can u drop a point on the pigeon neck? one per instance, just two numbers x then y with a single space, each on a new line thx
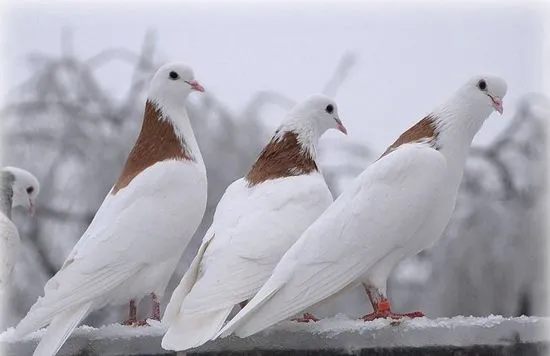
6 193
306 132
177 116
284 156
457 124
165 135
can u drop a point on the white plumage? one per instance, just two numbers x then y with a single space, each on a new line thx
9 247
395 208
258 218
140 231
18 187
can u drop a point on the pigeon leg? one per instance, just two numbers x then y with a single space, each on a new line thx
132 314
382 307
156 307
306 318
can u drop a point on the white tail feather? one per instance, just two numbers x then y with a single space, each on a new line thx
182 290
60 329
242 317
192 331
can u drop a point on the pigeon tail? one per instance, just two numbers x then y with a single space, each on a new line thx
242 324
60 329
192 331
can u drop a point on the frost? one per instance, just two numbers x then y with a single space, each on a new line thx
338 332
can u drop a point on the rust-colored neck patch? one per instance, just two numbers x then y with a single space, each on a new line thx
156 142
282 157
424 129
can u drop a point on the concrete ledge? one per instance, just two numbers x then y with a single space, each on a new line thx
494 335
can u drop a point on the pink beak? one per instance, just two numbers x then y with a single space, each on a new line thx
341 127
196 86
31 208
497 103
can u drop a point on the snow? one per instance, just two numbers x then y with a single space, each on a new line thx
339 332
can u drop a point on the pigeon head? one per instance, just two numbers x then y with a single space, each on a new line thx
465 112
485 92
318 111
25 188
172 83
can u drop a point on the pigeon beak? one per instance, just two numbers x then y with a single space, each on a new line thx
497 103
196 86
340 126
31 208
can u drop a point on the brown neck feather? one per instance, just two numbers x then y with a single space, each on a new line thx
282 157
425 129
157 142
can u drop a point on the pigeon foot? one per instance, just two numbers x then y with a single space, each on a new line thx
306 318
383 311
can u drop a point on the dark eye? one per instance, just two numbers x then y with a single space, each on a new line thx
174 75
30 190
482 84
329 108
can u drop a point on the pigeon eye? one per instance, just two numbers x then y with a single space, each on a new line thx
329 108
30 190
174 75
482 84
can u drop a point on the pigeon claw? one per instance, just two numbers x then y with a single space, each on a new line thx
383 311
391 315
129 322
306 318
134 322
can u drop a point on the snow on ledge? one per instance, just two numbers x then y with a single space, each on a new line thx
337 333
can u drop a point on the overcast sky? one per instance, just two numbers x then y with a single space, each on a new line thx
409 58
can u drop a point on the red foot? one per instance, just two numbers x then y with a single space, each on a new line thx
383 310
135 322
392 315
306 318
132 319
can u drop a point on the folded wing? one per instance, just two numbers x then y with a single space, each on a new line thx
373 217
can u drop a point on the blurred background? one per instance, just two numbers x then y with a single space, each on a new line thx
74 81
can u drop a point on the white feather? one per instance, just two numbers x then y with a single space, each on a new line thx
373 217
108 263
136 238
60 329
396 207
9 247
252 228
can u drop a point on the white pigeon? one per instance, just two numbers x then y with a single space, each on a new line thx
18 187
396 207
137 236
257 219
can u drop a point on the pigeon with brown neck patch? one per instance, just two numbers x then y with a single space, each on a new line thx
138 235
396 207
258 218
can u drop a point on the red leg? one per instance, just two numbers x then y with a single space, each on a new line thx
382 307
155 314
156 307
132 314
306 318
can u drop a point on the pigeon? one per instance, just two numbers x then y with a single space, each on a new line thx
396 207
257 219
138 235
18 187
